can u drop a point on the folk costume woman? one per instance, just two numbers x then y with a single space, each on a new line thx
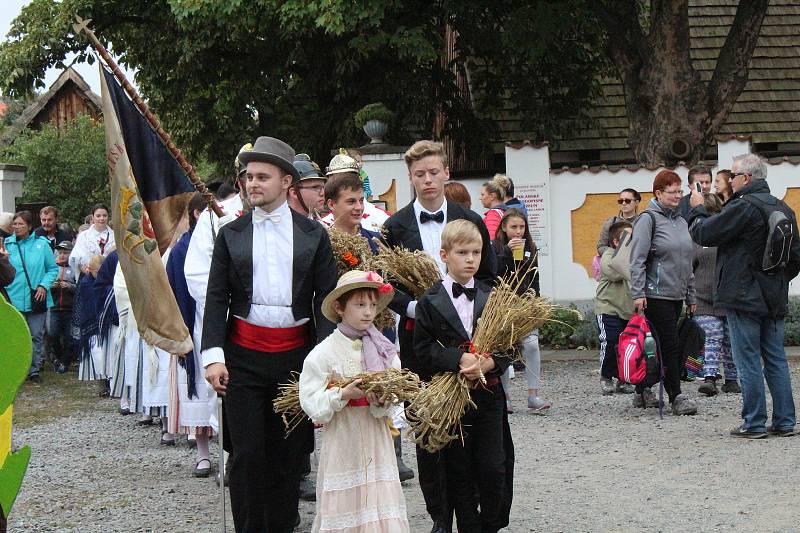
188 407
98 239
108 324
358 488
92 362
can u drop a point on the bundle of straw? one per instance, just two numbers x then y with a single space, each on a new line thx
435 414
392 385
507 319
384 320
509 316
351 252
416 271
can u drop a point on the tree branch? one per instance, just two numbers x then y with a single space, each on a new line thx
669 30
625 40
733 65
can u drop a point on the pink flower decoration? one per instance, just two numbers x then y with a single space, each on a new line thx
386 288
374 276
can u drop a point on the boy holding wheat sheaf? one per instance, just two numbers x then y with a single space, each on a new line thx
446 317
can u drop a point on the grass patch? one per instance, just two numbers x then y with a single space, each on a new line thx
57 396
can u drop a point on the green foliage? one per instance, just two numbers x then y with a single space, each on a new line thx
373 112
66 167
570 328
14 108
559 330
791 331
220 72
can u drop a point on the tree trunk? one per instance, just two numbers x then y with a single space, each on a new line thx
672 114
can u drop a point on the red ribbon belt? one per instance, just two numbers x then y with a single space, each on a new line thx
409 324
271 340
361 402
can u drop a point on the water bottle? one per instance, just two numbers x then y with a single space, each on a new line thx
650 354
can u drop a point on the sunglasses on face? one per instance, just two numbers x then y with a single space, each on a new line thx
625 201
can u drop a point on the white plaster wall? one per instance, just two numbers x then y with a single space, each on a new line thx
384 168
10 188
561 278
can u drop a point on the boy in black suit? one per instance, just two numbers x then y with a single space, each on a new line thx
419 226
446 317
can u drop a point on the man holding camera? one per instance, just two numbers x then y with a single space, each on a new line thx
758 255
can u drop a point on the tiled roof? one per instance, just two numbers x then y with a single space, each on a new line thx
768 108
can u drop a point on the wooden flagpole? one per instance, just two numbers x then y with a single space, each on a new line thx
83 26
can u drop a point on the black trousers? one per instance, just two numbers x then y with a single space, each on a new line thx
664 315
429 465
482 462
610 328
266 464
430 470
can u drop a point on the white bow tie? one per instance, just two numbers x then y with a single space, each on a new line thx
260 216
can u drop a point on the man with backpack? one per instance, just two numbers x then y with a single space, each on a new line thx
758 253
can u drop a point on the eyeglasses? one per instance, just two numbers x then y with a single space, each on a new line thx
625 201
673 193
316 188
739 174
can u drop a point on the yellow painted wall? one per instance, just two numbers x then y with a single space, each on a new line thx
792 198
589 217
587 221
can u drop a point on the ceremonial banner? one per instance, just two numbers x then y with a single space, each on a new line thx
149 194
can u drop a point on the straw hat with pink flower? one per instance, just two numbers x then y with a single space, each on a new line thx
357 279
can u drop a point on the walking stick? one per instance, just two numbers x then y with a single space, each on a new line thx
221 464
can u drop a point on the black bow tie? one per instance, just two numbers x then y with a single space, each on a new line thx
428 217
459 289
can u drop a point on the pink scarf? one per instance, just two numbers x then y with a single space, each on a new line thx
378 351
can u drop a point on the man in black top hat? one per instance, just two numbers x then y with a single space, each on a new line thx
270 271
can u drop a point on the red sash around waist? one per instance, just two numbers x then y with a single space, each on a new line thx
271 340
361 402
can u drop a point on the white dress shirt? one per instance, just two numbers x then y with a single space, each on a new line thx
431 232
464 306
273 252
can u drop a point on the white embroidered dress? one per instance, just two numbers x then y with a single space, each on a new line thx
89 243
358 489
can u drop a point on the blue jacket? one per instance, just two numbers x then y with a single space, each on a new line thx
41 265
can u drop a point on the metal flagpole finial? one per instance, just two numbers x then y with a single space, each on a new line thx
82 25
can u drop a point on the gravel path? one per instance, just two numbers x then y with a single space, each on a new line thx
593 464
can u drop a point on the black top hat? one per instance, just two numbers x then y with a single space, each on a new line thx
271 150
308 169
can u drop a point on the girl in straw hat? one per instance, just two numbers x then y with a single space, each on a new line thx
358 488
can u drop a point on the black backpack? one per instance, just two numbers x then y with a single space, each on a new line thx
780 231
